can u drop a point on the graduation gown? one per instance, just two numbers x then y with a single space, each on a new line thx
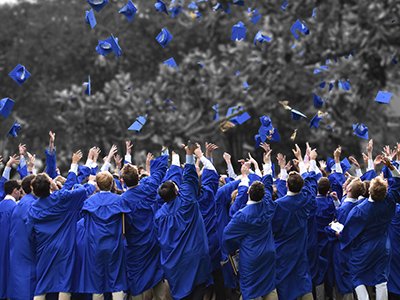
182 237
250 231
142 250
6 208
103 266
174 173
394 235
52 228
366 234
289 225
22 256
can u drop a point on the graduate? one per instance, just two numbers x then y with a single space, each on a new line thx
394 277
250 231
51 225
182 236
143 263
289 225
22 257
365 234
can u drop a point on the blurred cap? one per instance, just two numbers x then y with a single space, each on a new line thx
171 63
330 165
14 129
97 4
138 124
317 100
129 11
383 97
315 120
296 115
6 105
238 32
88 87
164 37
360 130
261 38
90 18
19 74
160 6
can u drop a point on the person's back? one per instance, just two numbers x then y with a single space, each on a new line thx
394 235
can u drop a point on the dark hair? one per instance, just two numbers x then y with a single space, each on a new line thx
357 187
41 185
324 185
10 185
366 188
167 191
295 182
26 183
274 193
130 175
257 191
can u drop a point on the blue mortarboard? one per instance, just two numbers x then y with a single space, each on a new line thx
219 6
318 101
97 4
195 15
238 2
88 90
266 131
138 124
240 119
383 97
238 32
246 85
109 45
350 54
255 19
129 11
19 74
314 12
164 37
193 5
201 64
14 129
274 137
176 10
344 84
322 85
315 120
216 108
330 165
171 63
360 130
316 71
299 26
160 6
261 38
283 7
90 18
296 115
6 105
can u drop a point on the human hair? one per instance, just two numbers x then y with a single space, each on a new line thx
60 179
295 182
41 185
324 185
274 193
357 188
27 182
233 196
378 189
222 181
10 185
257 191
130 175
366 188
104 181
167 191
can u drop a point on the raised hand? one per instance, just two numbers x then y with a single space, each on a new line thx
336 154
96 154
112 152
267 157
389 153
281 160
76 157
388 163
197 151
313 154
129 146
189 148
227 158
118 160
322 164
370 148
52 139
265 146
354 162
22 149
378 160
12 160
31 163
297 153
253 161
209 149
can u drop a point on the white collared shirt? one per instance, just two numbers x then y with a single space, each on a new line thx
252 202
10 198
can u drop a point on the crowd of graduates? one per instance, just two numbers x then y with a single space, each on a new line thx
168 230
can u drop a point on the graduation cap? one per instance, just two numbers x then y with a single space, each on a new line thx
252 14
330 165
322 84
20 74
171 63
193 5
109 45
299 26
383 97
344 84
246 85
220 7
315 120
236 115
360 130
129 11
296 115
238 32
238 2
283 7
216 108
6 105
318 101
160 6
14 129
266 131
314 12
97 4
201 64
261 38
176 9
138 124
164 37
88 87
195 15
294 134
90 18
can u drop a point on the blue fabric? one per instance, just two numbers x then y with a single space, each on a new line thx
369 175
51 163
183 239
394 235
240 201
281 187
206 200
83 172
250 231
103 267
23 172
312 239
337 180
22 257
6 208
229 179
93 171
142 250
366 234
118 184
290 228
52 228
2 192
174 173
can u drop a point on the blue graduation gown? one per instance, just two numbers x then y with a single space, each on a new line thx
22 256
312 240
281 187
366 234
183 240
51 163
290 228
337 180
103 267
6 208
52 227
250 231
142 250
394 235
206 200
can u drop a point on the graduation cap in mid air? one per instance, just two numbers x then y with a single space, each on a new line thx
318 117
164 37
300 27
6 105
97 4
20 74
171 63
90 18
109 45
266 132
14 129
261 38
88 87
138 124
383 97
360 130
129 11
235 115
296 115
160 6
238 32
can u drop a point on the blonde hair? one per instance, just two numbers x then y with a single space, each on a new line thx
104 181
377 189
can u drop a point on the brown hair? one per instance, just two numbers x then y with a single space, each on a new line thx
378 189
104 181
130 175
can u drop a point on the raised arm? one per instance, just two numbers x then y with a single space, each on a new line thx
51 157
72 177
190 183
22 167
128 156
107 160
231 171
